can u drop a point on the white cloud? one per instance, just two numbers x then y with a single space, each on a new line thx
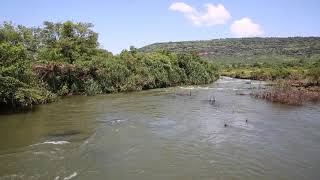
182 7
246 28
214 14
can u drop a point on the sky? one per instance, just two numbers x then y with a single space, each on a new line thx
122 23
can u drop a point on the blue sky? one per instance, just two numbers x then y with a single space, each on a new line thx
121 23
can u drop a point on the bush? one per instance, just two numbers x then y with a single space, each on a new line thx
92 88
16 94
314 73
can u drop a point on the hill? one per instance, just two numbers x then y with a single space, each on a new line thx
246 50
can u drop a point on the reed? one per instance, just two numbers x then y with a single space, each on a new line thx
283 92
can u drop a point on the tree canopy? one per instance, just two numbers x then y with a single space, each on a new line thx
40 63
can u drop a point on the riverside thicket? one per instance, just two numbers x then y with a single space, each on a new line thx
39 64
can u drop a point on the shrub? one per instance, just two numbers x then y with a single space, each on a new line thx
91 87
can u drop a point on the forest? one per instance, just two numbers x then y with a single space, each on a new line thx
40 64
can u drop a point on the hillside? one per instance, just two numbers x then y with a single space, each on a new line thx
247 50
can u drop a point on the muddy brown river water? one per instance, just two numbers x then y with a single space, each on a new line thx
163 134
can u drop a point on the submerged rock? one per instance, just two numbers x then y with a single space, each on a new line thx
65 133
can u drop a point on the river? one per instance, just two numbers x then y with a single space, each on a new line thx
163 134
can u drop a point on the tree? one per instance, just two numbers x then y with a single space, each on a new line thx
68 41
314 72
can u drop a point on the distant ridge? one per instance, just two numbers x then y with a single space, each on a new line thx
234 50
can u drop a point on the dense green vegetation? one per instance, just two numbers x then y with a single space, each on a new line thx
293 64
41 63
247 50
256 58
294 70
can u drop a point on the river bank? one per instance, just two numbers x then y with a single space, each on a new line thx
293 85
288 93
38 65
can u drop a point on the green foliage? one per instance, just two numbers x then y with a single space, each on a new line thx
16 94
252 58
68 42
63 90
91 87
314 72
295 70
63 58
